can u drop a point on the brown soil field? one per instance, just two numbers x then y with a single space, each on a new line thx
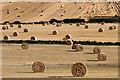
78 33
58 59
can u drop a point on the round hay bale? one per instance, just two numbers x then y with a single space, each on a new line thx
77 24
48 23
61 14
79 47
61 6
62 23
74 46
19 25
79 69
82 23
6 37
93 10
43 24
15 34
54 23
102 23
41 15
65 39
86 19
58 25
55 32
26 30
101 57
80 7
33 38
38 67
4 28
68 36
70 23
112 7
16 8
18 15
11 25
69 42
8 12
111 28
9 1
100 30
96 50
7 27
24 46
114 27
86 26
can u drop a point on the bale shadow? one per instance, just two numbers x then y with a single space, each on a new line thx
93 60
24 72
50 34
60 76
88 53
11 36
21 32
71 50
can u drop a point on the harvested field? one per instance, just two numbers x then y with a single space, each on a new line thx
59 28
77 33
56 62
50 10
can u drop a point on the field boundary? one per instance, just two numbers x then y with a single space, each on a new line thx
59 42
98 19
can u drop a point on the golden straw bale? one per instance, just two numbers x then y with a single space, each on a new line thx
69 42
86 26
4 28
102 23
101 57
114 27
19 25
79 47
24 46
15 34
54 23
43 24
74 46
26 30
11 25
77 24
79 69
97 50
33 38
65 39
100 30
55 32
6 37
68 36
70 23
38 67
111 28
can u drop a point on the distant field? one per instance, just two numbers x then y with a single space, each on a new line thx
77 33
38 11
